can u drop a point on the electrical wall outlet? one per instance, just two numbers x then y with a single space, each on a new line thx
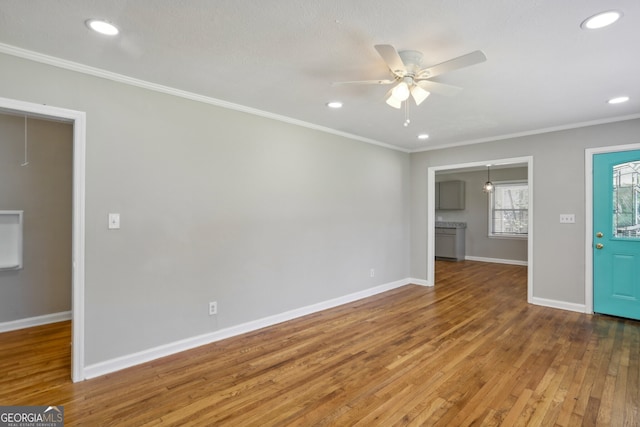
567 218
213 308
372 273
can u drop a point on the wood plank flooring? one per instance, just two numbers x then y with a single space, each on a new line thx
469 351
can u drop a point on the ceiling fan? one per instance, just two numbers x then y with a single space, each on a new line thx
412 79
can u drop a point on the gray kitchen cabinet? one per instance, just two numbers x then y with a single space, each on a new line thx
450 195
449 241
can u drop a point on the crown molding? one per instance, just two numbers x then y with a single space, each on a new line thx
531 132
121 78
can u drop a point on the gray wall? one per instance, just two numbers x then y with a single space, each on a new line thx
42 189
476 215
559 187
215 204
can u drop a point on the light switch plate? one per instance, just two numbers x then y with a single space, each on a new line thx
567 218
114 221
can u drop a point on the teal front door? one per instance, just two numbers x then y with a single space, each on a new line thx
616 234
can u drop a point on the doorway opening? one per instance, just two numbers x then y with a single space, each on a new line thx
469 167
78 120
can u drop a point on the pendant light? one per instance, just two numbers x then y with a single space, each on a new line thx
488 186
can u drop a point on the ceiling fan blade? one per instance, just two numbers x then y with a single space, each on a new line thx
453 64
392 58
365 82
419 94
439 88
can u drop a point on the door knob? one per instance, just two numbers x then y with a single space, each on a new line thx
599 246
599 234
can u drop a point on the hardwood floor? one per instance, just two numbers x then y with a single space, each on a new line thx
469 351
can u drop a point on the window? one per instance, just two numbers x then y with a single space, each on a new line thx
509 209
626 200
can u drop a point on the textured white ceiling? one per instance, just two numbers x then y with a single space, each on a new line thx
280 56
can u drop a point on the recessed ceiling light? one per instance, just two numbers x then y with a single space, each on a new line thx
423 136
334 104
601 20
102 27
618 100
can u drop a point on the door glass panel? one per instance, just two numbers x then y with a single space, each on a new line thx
626 200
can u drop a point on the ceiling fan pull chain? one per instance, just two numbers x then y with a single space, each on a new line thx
26 159
406 114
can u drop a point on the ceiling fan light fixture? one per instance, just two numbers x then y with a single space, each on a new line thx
411 79
419 94
102 27
401 91
601 20
393 101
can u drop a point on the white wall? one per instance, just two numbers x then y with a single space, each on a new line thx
559 187
215 204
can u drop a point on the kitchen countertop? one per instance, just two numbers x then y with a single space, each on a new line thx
445 224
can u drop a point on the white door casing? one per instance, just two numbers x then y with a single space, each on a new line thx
78 119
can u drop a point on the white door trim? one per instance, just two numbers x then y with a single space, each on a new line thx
78 119
431 197
588 216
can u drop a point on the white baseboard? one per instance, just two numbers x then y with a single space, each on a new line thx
420 282
496 260
563 305
112 365
35 321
